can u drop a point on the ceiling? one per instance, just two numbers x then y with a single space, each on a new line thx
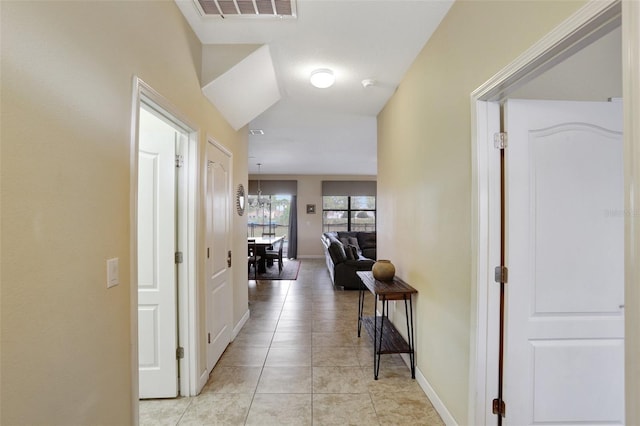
320 131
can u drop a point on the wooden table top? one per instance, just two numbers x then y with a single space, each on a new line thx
264 241
386 289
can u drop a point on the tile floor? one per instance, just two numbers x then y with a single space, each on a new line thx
298 361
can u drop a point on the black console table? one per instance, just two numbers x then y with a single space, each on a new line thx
386 338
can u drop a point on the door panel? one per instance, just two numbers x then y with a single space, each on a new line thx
149 337
219 296
576 179
157 312
565 323
564 368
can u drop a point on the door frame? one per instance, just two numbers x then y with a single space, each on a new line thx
590 22
188 230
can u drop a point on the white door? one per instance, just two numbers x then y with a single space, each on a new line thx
565 321
219 295
157 312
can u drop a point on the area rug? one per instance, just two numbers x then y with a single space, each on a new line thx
289 271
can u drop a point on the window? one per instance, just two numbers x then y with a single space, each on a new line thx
269 216
348 205
348 213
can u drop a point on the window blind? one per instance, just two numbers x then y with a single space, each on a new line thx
274 187
349 187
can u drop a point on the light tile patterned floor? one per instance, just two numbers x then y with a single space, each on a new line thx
298 361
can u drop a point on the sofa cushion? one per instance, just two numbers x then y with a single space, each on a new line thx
367 240
345 234
337 253
370 253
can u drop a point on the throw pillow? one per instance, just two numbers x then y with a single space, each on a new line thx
349 251
354 242
354 251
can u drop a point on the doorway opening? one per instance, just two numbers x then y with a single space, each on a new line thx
163 248
596 21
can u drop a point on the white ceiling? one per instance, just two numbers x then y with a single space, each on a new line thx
324 131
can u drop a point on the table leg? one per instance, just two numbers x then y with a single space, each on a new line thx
262 263
376 361
375 338
409 318
360 307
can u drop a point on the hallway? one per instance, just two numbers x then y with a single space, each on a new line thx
298 361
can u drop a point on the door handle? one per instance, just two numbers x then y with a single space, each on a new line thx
229 259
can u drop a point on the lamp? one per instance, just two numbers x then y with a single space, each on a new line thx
322 78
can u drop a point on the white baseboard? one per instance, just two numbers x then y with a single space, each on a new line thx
241 323
437 403
204 378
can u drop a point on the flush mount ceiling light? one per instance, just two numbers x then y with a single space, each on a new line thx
322 78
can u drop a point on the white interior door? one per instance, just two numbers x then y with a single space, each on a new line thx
219 297
157 311
565 252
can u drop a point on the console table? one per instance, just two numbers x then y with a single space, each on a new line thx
386 338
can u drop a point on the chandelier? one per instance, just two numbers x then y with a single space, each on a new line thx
259 201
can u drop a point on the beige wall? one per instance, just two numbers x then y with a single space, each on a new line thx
310 192
67 70
424 174
240 275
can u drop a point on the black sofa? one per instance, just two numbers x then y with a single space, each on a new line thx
346 253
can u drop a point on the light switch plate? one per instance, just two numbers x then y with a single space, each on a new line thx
113 273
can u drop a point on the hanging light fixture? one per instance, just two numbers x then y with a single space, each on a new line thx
259 201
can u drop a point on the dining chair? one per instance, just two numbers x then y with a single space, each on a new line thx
252 258
269 235
276 254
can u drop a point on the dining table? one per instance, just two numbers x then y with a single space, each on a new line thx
262 244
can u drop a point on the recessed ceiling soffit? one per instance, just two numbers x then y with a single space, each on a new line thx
246 90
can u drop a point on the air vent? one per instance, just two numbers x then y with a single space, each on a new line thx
248 8
256 132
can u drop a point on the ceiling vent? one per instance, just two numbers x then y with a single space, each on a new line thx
247 8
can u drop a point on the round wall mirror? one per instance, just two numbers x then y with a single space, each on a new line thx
240 199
